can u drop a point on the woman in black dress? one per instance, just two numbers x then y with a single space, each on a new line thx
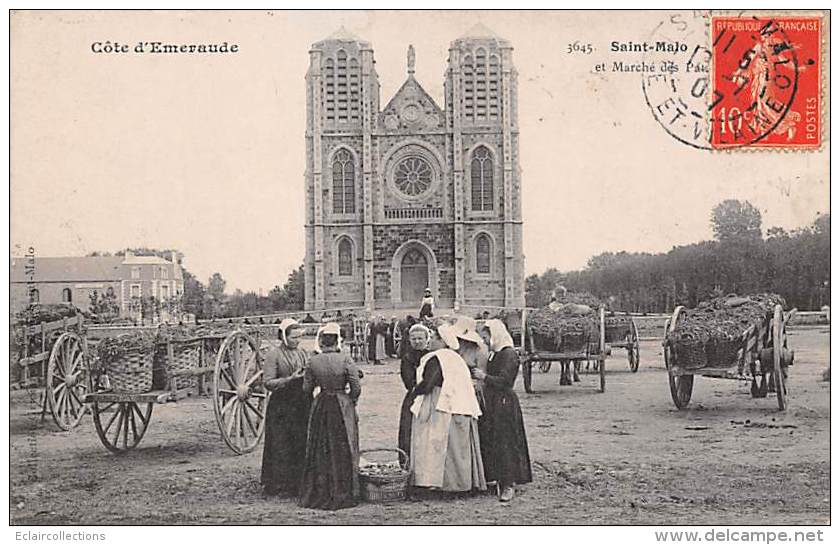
504 446
418 341
331 470
287 415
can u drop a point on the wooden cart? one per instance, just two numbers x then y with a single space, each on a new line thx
591 352
763 353
58 366
239 396
626 337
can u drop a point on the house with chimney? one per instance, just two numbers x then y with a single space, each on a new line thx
71 280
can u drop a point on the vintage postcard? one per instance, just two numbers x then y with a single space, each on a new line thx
566 268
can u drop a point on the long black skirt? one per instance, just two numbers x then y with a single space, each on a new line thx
284 450
504 446
331 469
404 435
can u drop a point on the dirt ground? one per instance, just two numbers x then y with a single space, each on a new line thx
623 457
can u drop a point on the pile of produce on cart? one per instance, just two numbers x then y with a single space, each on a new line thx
37 313
711 334
568 324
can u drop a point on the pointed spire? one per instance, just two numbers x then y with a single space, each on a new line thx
343 35
479 30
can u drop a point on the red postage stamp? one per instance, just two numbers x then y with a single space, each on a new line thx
767 82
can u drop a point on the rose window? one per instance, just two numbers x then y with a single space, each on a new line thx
413 176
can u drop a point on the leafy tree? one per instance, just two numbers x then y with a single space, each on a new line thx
734 220
295 290
194 294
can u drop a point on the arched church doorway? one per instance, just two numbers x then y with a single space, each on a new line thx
414 276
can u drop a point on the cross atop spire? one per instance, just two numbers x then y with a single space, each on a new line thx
410 58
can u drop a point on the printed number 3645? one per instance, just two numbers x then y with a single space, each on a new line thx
578 47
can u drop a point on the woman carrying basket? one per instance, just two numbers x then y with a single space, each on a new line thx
331 470
287 414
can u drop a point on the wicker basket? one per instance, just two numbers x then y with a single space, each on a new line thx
185 356
384 488
132 374
723 352
690 354
617 331
574 342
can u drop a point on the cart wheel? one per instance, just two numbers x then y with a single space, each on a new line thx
67 381
633 348
544 366
602 352
680 386
125 423
526 374
239 398
778 373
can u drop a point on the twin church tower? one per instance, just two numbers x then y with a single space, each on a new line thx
413 196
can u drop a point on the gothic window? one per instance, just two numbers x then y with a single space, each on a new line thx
345 258
66 295
341 85
329 89
482 254
344 177
481 172
480 84
482 76
413 176
493 77
469 87
355 90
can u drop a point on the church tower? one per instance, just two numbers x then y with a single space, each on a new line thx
342 99
412 196
482 121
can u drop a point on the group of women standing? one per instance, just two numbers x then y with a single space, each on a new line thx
460 424
461 421
312 445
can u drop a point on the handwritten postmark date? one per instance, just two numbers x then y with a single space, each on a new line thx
766 82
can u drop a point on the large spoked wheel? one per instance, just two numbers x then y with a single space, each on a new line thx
121 425
67 381
633 348
527 373
239 397
778 372
544 366
602 352
681 385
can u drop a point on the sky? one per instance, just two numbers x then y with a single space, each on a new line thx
206 153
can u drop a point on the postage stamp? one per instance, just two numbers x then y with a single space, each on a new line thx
767 82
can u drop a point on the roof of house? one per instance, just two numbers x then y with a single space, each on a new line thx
145 260
67 269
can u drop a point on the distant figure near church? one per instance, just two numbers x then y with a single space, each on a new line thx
427 305
413 195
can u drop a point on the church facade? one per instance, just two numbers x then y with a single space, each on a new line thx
412 196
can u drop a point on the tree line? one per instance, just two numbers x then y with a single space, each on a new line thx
794 264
